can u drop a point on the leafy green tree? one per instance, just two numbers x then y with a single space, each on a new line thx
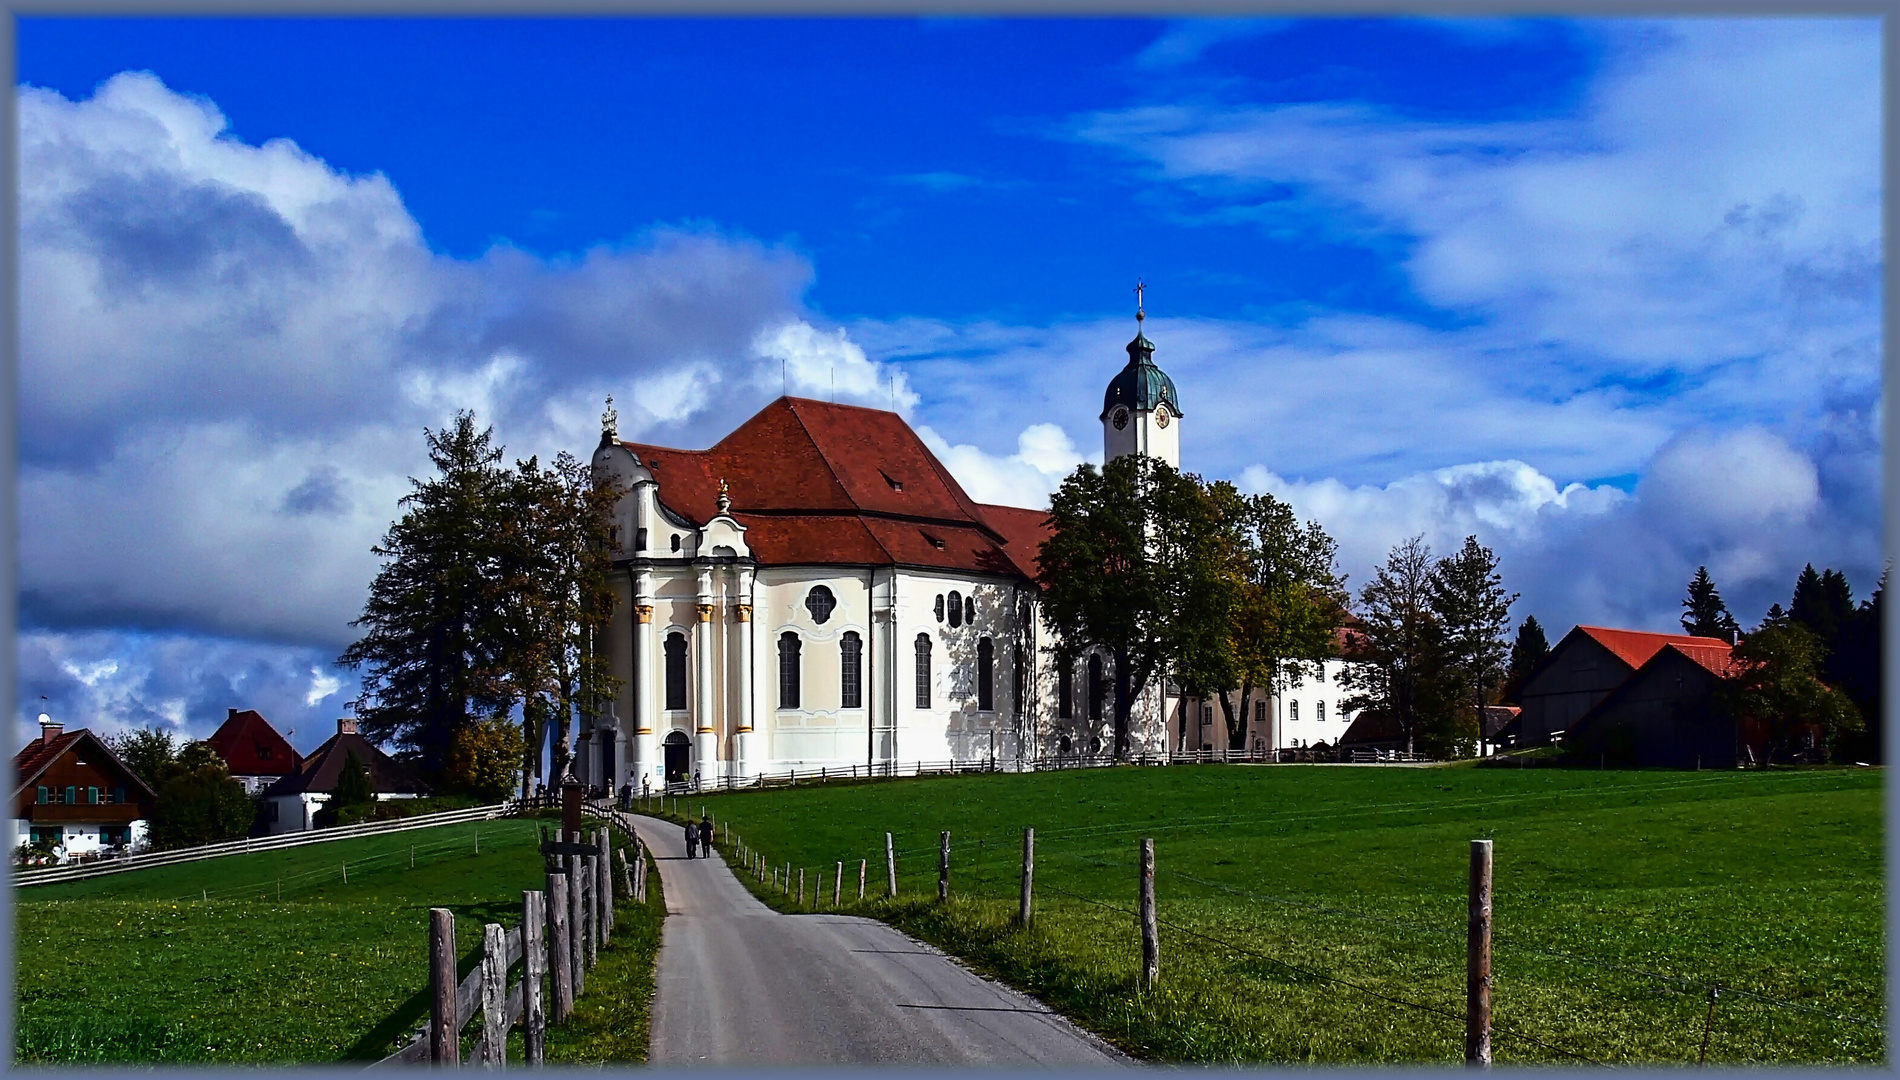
556 552
1473 613
146 751
1528 650
484 759
1706 615
1133 563
1776 682
1398 653
198 800
427 645
1281 605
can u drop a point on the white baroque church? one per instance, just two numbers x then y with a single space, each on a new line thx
816 591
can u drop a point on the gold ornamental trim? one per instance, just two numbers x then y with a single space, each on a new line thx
703 731
743 729
643 731
644 612
705 612
743 612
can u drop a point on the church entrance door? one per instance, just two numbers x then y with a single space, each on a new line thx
678 752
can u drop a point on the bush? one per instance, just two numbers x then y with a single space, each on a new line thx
485 760
198 801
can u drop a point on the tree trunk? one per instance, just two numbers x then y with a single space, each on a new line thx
1236 725
1124 700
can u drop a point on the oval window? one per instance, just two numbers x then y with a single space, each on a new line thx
956 610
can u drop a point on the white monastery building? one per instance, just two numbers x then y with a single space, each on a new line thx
817 591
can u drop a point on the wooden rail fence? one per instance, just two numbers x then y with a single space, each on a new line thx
562 928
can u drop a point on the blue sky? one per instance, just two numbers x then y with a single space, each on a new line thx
1604 292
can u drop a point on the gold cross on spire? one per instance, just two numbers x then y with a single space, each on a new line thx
1139 313
610 420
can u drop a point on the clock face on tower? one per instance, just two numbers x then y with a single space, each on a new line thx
1161 416
1121 419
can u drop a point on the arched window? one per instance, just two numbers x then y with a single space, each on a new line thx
985 675
969 609
1016 684
923 671
788 670
676 670
851 671
820 603
1292 711
640 540
1319 711
1065 688
1097 688
676 541
939 607
956 609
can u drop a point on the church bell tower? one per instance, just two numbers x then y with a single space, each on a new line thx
1141 413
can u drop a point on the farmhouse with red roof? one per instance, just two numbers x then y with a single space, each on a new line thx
253 750
71 791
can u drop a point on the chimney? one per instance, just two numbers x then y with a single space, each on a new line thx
230 714
346 725
50 728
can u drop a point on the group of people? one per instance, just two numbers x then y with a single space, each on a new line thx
699 838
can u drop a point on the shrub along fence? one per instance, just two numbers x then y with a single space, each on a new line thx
562 929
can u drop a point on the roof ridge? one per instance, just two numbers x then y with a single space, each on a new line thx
791 406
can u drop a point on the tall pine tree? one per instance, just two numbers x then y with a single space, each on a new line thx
1706 615
428 644
1528 650
1474 613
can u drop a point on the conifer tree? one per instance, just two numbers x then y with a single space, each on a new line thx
428 624
1528 650
1467 595
1398 655
1706 615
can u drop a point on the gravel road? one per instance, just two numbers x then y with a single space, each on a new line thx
741 984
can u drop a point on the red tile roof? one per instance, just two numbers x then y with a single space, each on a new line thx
816 483
1717 658
1635 647
250 746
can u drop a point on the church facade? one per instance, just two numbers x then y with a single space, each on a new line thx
817 591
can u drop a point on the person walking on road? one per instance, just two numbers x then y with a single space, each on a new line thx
692 840
705 835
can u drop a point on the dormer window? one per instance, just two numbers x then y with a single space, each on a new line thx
896 484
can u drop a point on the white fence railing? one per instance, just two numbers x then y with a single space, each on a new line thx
823 774
51 874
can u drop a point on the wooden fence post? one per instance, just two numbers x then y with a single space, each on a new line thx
943 866
837 887
1029 876
626 875
604 890
1478 960
863 865
588 929
1150 923
560 946
445 1044
576 925
494 996
890 866
533 965
801 886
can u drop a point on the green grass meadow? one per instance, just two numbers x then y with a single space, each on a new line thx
267 957
1317 914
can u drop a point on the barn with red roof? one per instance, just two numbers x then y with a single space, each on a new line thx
1592 663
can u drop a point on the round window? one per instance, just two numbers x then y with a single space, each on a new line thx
820 603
